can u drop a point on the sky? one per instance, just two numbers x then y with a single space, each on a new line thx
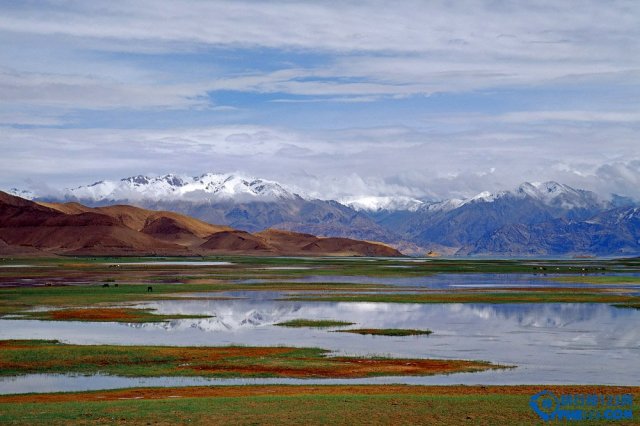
427 99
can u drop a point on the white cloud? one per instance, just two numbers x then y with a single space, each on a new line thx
332 164
73 92
62 59
373 49
580 116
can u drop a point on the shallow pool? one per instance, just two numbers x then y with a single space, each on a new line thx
553 343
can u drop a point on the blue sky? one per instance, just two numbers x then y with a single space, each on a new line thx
418 98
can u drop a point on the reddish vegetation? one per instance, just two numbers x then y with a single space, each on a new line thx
94 314
241 391
72 228
236 361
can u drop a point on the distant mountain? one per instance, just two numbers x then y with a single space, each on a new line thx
460 224
540 218
207 187
27 227
376 204
242 202
615 231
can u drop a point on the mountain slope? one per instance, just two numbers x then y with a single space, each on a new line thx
72 228
240 202
535 218
25 223
161 224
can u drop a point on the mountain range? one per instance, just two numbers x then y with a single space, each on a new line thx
534 219
42 228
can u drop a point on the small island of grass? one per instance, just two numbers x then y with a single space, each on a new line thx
386 331
313 323
21 357
106 314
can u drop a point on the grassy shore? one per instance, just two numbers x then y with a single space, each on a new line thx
17 300
309 405
539 296
99 285
40 356
105 315
300 323
599 279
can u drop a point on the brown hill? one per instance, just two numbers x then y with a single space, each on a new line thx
288 242
349 247
237 242
72 228
138 218
27 224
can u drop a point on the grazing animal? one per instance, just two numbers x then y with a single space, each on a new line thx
115 285
149 289
105 285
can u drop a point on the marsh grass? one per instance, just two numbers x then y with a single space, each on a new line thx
313 323
128 315
19 357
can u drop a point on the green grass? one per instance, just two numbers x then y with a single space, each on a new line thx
598 279
18 357
386 331
475 297
307 410
167 280
320 405
15 300
313 323
628 306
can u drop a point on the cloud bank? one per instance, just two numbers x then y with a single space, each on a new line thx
422 99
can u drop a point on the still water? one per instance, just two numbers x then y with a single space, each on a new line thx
553 343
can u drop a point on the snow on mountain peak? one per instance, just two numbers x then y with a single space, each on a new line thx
544 190
208 186
558 195
379 203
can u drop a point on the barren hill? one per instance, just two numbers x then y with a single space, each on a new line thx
75 229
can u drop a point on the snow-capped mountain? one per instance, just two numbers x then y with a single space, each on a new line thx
375 203
535 218
551 194
208 187
555 194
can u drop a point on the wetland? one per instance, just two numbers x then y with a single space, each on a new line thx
350 323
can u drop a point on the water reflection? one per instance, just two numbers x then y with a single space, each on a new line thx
550 343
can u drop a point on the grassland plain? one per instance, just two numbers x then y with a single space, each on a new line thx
81 282
309 405
41 356
547 295
599 279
